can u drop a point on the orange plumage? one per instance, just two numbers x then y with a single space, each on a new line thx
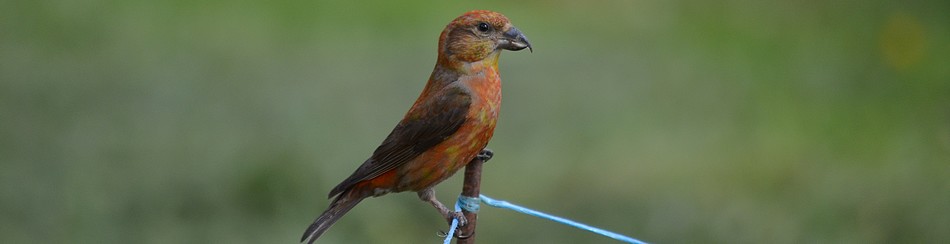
448 125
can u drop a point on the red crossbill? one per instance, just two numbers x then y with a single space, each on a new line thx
448 125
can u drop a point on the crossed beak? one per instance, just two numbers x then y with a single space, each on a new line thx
514 40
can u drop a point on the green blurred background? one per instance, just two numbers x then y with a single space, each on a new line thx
741 121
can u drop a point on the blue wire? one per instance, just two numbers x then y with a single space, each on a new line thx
471 204
504 204
455 224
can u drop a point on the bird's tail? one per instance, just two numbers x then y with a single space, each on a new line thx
337 209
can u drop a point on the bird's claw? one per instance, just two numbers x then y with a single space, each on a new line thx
458 234
457 216
485 155
462 221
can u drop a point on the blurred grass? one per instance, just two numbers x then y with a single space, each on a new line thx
673 122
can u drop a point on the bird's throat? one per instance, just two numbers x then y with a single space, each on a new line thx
488 63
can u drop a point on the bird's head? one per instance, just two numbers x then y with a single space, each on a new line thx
477 35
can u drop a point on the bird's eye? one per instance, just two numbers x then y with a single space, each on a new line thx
483 27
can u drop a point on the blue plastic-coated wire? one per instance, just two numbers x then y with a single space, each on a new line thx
503 204
469 204
455 224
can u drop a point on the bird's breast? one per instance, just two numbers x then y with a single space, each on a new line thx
446 158
486 89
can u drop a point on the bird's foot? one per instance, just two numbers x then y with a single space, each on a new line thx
428 195
452 215
485 155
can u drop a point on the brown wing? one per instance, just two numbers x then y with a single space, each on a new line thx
428 125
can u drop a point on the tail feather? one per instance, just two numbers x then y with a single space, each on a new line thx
337 209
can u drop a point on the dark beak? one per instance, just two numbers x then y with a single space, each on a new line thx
514 40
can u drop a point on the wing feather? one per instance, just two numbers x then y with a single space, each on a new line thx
424 127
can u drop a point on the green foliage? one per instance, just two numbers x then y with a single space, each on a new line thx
673 122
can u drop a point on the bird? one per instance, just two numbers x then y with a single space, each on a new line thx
448 125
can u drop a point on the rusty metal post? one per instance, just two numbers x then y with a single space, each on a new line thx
470 188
